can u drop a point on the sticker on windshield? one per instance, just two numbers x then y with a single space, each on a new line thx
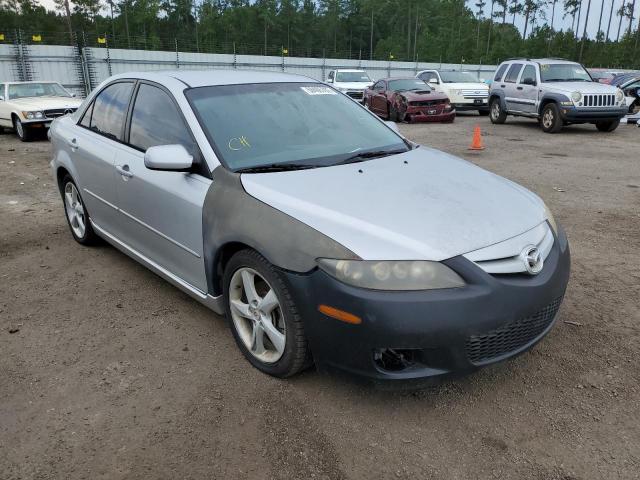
319 91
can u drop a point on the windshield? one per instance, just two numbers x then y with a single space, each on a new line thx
267 124
352 77
459 77
22 90
407 84
563 72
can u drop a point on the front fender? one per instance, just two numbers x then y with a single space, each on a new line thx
498 94
552 97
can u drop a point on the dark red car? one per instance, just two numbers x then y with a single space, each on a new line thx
408 100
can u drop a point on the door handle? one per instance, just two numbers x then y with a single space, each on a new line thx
502 86
124 171
73 143
519 88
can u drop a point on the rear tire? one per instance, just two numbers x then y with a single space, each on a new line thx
76 213
608 126
551 121
254 317
497 114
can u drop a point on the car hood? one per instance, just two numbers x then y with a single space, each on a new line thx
353 85
420 205
467 86
422 95
45 103
583 87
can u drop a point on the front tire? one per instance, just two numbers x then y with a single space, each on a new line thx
76 213
23 133
551 121
608 126
497 114
263 316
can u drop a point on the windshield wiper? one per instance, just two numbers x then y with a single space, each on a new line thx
274 167
361 157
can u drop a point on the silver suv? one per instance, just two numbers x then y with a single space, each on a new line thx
556 92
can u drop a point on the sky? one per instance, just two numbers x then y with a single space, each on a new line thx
559 22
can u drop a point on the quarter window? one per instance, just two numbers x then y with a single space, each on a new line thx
156 121
86 118
500 72
110 110
512 74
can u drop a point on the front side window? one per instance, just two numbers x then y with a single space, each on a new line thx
294 124
563 72
459 77
529 72
512 74
110 110
155 120
407 84
331 75
27 90
355 77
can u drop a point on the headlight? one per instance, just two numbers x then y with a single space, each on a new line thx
392 275
32 115
550 219
576 97
619 96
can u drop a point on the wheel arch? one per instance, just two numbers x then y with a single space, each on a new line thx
221 259
499 96
548 98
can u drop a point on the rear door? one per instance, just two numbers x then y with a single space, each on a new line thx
161 211
512 96
92 145
527 89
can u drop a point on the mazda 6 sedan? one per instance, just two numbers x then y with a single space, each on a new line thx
322 234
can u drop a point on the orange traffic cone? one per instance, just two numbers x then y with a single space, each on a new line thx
476 143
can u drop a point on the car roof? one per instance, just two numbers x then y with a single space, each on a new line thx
206 78
399 78
349 70
33 81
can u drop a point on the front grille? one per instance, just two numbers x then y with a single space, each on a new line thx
356 95
475 93
426 103
599 100
511 337
58 112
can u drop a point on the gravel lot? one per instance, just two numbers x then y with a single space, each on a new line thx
108 372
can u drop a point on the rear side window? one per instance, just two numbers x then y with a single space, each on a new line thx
155 120
500 72
110 110
512 74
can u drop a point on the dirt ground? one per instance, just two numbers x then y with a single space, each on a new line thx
108 372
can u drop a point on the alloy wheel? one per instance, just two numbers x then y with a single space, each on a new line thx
74 210
257 315
495 110
19 129
547 118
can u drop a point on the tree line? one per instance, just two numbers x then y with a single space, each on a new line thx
450 31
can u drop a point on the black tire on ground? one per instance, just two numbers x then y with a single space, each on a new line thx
393 113
551 120
296 356
24 133
608 126
497 114
483 113
89 237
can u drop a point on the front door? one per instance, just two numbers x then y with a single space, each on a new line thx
161 211
512 95
527 89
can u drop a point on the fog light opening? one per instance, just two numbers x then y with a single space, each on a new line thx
393 359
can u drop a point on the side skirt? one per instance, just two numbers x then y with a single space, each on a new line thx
213 303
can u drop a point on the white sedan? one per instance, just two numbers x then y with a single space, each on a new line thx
29 107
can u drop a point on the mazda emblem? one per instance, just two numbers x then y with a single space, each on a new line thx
532 259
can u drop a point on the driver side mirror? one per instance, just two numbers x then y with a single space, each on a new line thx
433 80
168 157
529 81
